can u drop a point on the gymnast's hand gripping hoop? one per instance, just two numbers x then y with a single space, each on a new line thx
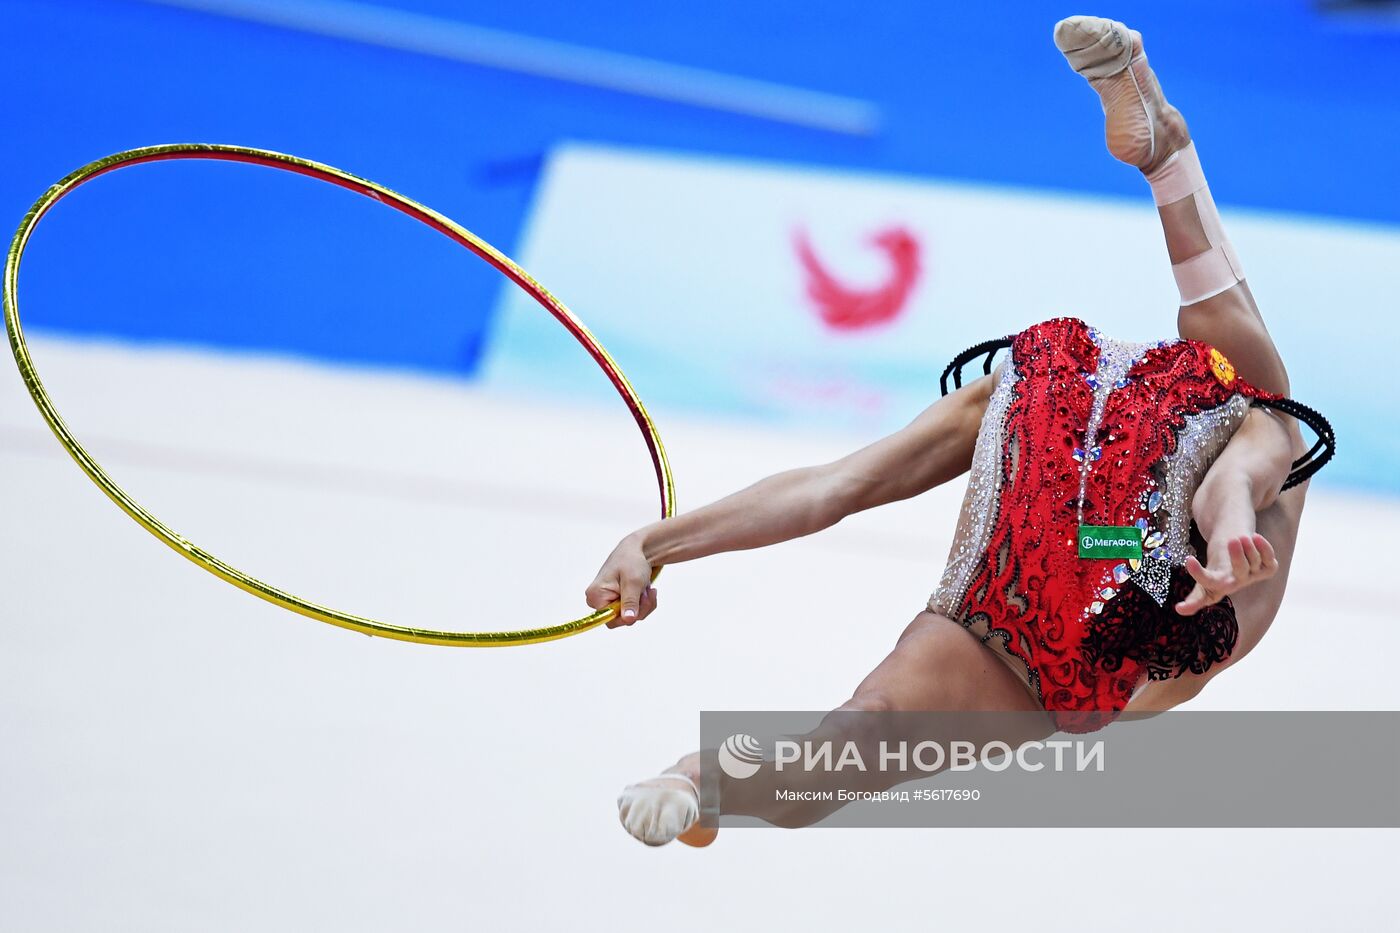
413 209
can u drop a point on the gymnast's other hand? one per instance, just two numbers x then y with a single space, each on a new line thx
624 581
1235 563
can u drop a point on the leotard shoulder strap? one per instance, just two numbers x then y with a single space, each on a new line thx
987 348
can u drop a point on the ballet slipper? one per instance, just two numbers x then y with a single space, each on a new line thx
1140 127
658 810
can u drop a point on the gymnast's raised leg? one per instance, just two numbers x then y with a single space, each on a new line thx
1217 307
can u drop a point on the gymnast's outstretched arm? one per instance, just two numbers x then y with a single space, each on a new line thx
932 449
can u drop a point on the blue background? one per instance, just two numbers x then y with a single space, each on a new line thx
1299 111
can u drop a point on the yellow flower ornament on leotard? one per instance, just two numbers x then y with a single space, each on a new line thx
1223 369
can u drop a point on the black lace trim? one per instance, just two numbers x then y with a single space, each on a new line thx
1132 627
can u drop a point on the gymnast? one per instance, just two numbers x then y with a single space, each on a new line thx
1192 441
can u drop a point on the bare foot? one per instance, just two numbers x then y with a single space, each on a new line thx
666 807
1141 128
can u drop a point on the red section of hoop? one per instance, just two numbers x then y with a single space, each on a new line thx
530 287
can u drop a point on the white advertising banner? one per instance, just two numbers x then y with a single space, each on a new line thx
834 299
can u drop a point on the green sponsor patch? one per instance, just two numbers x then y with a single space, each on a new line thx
1108 541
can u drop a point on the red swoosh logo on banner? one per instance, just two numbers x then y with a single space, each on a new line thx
850 309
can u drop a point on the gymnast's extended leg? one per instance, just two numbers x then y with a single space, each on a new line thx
1217 306
1145 131
937 665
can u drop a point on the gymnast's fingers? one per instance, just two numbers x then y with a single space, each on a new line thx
648 603
1195 601
1199 572
1208 583
1268 559
632 588
1253 558
1239 563
602 591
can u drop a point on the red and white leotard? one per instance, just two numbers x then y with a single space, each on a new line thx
1083 429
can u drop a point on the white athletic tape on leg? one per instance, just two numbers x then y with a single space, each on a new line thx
1218 268
1179 177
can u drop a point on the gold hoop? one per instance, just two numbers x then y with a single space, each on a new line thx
410 207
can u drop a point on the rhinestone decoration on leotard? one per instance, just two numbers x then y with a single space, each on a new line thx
1118 430
1116 360
1116 357
979 503
1155 578
1198 443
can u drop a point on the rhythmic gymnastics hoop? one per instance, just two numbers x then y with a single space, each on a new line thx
420 212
